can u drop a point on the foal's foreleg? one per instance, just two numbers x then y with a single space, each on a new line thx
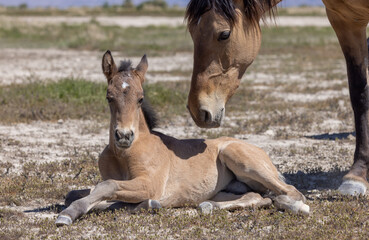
133 191
352 37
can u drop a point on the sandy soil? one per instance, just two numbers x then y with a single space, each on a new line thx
53 64
143 21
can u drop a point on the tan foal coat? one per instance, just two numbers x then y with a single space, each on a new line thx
144 167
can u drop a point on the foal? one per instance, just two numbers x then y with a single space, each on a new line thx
143 166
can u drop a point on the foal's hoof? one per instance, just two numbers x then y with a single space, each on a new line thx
286 203
352 188
63 220
206 208
153 204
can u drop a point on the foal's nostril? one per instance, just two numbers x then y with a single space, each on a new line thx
205 116
118 134
126 136
129 136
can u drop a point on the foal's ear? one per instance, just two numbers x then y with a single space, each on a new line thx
142 68
108 66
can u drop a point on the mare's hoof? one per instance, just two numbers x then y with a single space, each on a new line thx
206 208
63 220
286 203
352 188
153 204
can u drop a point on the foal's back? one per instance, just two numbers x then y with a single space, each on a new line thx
198 171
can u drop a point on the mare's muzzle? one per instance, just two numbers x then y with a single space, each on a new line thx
206 118
123 139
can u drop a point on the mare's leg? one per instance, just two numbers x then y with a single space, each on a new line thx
351 34
133 191
230 201
248 162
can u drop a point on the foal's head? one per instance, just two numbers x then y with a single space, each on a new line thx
125 96
226 37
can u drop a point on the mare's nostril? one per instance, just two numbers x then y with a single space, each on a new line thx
205 116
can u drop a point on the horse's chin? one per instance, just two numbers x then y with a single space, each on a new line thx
123 145
207 125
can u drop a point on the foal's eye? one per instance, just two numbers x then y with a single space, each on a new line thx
224 35
110 99
140 101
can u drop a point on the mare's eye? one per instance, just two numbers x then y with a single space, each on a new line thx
110 99
140 101
224 35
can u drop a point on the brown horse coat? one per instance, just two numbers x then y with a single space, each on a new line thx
227 37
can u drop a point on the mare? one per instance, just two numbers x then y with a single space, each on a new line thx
226 36
145 167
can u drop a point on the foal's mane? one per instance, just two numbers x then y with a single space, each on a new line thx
125 66
148 112
254 9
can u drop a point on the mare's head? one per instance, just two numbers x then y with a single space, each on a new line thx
226 37
125 96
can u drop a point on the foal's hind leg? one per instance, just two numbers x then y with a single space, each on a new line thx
248 162
230 201
351 33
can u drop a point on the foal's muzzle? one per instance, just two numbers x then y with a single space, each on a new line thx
123 139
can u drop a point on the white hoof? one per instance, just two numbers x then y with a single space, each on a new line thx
296 207
206 208
153 204
352 188
63 220
302 208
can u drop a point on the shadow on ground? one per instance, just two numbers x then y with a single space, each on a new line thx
51 208
332 136
316 180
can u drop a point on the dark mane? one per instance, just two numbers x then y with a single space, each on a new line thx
149 114
254 9
125 65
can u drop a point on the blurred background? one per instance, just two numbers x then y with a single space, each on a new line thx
95 3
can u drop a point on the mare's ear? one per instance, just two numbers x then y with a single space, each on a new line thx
142 68
108 66
270 8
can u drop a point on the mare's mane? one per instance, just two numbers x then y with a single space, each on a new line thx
148 112
254 9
